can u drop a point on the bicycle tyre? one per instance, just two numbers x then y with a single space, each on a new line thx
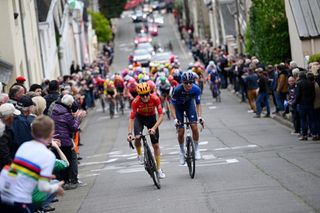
111 109
102 104
190 157
150 166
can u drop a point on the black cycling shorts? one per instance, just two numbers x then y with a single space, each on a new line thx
140 121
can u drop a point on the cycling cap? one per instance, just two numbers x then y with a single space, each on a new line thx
143 88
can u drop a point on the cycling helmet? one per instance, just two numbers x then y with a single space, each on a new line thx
170 78
131 80
143 88
146 78
187 76
163 79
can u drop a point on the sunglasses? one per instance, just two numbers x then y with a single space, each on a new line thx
188 82
144 95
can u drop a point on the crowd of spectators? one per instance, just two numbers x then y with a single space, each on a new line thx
293 91
65 101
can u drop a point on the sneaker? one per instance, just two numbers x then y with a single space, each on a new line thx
257 116
303 138
267 116
66 186
140 159
48 209
250 111
161 174
81 183
197 155
182 159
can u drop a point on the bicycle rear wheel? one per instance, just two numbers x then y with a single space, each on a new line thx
150 166
190 157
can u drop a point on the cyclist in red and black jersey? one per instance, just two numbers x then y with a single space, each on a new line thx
143 113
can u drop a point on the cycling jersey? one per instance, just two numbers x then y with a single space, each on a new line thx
146 109
181 97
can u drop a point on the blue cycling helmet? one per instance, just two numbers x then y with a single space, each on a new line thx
187 76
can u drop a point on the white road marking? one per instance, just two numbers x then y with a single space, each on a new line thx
227 161
98 162
107 168
209 103
208 157
132 170
114 153
88 175
212 107
203 142
236 147
174 153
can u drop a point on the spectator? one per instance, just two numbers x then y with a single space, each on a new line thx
282 88
33 164
15 93
74 68
66 124
36 88
315 122
4 98
252 85
22 123
293 105
52 96
7 147
263 96
305 94
40 105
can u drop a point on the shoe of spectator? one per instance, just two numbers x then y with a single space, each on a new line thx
79 158
55 200
275 112
303 138
257 116
80 144
250 111
81 184
267 116
73 185
66 186
48 209
294 133
315 138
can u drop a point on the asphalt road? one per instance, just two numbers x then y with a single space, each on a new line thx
249 165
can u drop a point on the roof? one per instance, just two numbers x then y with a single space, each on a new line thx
306 15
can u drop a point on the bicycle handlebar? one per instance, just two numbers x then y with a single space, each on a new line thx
141 135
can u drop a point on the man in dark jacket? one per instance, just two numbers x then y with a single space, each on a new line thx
305 94
53 95
7 147
263 95
22 123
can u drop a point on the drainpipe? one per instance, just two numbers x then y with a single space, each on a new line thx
24 43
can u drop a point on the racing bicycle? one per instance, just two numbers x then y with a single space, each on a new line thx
149 162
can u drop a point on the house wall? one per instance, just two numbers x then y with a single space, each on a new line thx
12 46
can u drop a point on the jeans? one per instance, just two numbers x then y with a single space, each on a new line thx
315 123
74 167
262 98
296 120
305 113
279 101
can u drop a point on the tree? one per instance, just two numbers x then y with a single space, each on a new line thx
112 8
101 26
267 36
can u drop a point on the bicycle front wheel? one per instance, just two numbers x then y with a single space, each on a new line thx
150 166
190 157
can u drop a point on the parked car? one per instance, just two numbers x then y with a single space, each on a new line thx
146 46
142 38
142 56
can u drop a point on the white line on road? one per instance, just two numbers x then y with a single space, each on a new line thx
125 171
203 142
88 175
236 147
99 162
212 107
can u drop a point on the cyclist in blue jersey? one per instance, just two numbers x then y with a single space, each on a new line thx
186 98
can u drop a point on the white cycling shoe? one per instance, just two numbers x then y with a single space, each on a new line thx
161 174
182 159
197 154
140 159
